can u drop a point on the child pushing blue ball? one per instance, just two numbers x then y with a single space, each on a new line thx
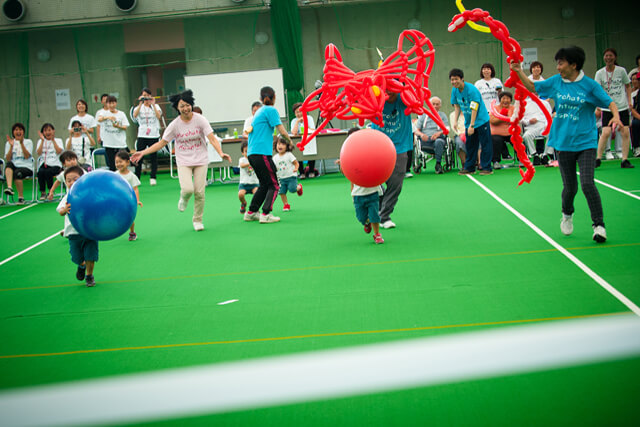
103 205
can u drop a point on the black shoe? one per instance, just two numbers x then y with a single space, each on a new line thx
598 162
91 281
537 161
80 272
626 164
439 169
9 191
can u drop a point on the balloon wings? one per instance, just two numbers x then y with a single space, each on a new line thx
348 95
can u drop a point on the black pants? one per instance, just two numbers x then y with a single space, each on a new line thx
46 174
499 146
586 160
311 164
141 144
267 192
110 157
635 133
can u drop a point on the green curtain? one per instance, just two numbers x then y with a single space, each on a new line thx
287 35
14 82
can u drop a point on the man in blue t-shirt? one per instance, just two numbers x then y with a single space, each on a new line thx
397 126
467 98
573 133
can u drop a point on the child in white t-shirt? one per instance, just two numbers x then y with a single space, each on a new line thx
366 201
68 158
286 168
248 180
122 160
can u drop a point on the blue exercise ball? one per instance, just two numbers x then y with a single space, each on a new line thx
103 205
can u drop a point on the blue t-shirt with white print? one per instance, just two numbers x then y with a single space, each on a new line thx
470 94
574 127
397 125
261 137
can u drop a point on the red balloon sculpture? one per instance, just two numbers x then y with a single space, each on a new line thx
514 54
349 96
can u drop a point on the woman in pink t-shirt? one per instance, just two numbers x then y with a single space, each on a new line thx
499 128
190 132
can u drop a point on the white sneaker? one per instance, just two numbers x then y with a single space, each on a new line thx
609 155
388 224
566 225
182 205
268 218
599 234
408 175
198 226
152 181
617 155
636 152
255 216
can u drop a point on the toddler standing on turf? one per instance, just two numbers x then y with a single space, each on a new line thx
366 201
248 179
286 168
122 165
84 251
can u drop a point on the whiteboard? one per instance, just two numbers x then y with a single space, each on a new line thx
227 97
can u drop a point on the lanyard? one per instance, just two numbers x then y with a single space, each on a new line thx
609 79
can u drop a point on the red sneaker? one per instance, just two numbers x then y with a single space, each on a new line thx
287 207
299 189
243 208
367 228
378 238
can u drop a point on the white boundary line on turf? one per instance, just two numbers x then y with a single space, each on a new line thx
29 248
615 188
613 291
19 210
328 374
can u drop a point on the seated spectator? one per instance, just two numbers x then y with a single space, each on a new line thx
534 123
49 148
459 138
536 70
80 143
430 135
19 165
499 128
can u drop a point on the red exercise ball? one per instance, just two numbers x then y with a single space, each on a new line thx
367 157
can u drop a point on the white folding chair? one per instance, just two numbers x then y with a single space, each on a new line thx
97 153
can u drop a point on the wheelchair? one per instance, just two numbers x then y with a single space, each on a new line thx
423 155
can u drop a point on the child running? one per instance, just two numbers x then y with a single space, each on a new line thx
68 158
84 251
122 166
248 179
260 151
286 167
366 201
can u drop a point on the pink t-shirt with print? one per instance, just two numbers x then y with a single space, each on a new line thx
190 140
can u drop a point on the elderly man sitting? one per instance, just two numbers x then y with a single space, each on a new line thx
534 123
431 136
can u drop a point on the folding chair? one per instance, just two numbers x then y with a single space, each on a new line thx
33 179
97 153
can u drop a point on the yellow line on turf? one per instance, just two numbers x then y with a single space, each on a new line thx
324 267
295 337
